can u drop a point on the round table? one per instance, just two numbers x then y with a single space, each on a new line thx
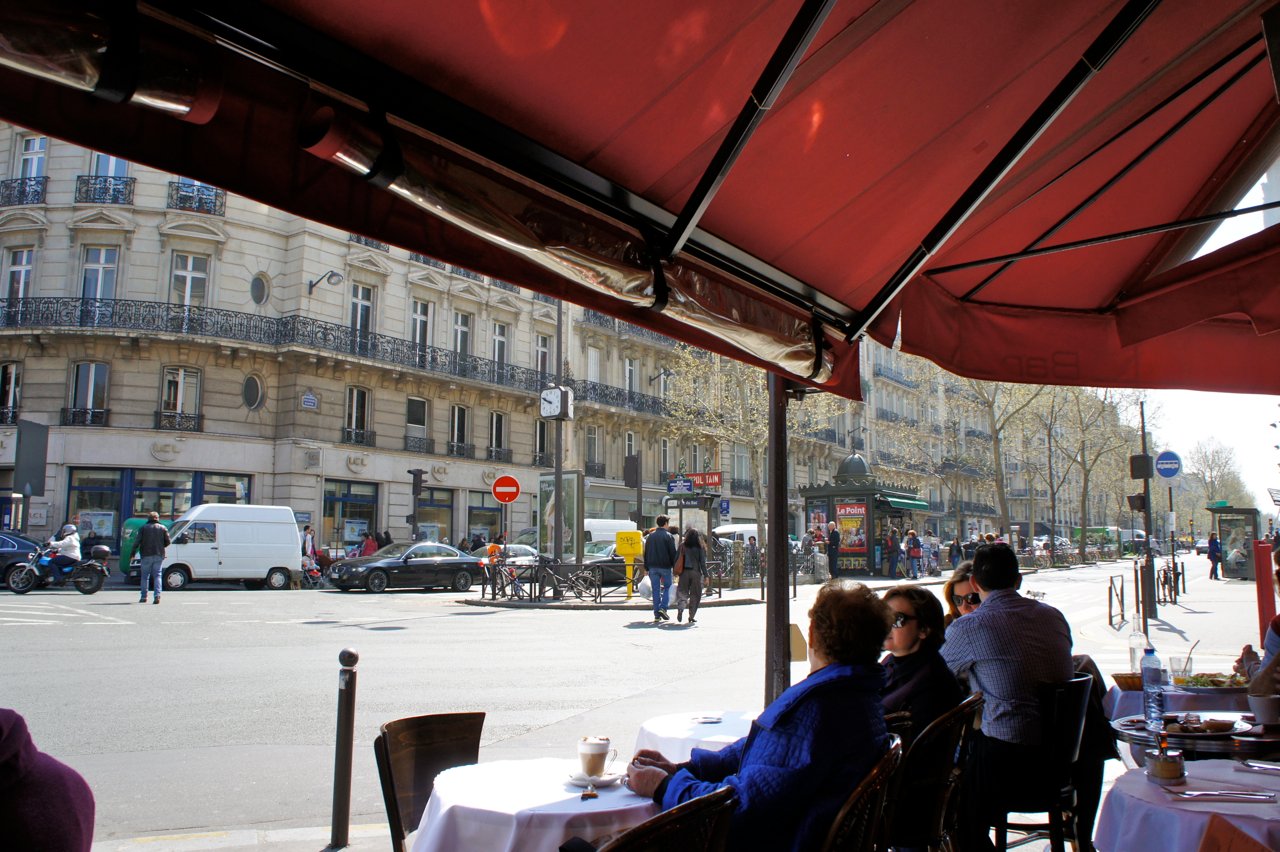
1138 814
522 806
674 736
1257 742
1120 702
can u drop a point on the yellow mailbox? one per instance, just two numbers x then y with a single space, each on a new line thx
629 545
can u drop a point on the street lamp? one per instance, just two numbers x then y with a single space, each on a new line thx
333 277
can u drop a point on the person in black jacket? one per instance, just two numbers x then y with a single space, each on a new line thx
153 538
833 549
659 559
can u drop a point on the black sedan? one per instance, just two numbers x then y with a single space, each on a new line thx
14 549
412 565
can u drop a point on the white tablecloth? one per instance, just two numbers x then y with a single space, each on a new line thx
677 734
522 806
1120 703
1138 814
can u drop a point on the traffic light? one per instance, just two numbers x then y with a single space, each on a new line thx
1137 502
417 473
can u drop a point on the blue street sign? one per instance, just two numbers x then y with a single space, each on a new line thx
1168 464
680 485
724 506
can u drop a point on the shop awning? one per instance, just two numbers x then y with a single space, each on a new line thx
771 179
905 503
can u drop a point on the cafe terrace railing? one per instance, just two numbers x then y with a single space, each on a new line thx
46 313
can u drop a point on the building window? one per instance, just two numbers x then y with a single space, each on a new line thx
105 165
259 289
99 277
664 383
420 324
361 309
695 458
355 428
21 266
88 403
629 375
500 343
252 393
31 153
664 455
542 354
180 400
631 443
593 444
459 428
10 392
498 437
190 279
593 364
416 433
461 333
540 437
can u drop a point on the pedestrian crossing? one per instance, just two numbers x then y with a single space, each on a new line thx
45 614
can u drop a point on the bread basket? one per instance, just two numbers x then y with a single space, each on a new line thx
1128 681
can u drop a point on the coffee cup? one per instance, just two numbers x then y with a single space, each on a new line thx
596 755
1265 709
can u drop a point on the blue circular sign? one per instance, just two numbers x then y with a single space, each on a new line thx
1168 464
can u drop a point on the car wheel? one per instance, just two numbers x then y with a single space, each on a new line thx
175 579
278 578
377 581
462 581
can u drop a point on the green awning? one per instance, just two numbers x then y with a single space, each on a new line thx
909 503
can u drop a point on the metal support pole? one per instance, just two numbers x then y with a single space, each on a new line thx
557 489
1149 609
341 824
777 607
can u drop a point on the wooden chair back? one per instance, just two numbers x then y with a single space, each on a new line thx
698 825
411 753
857 826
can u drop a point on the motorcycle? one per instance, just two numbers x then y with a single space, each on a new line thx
87 576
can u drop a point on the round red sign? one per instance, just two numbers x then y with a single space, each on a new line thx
506 489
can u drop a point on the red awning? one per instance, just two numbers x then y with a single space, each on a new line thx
554 143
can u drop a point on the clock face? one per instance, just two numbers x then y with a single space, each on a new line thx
550 402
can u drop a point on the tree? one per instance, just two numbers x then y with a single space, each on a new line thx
1002 405
1093 434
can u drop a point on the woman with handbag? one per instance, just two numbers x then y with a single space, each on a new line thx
690 567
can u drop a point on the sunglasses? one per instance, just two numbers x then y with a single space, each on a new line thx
972 599
900 619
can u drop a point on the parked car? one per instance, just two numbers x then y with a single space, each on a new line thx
408 565
512 554
613 568
1202 546
14 548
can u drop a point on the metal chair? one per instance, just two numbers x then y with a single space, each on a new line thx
1062 713
411 753
920 808
857 826
698 825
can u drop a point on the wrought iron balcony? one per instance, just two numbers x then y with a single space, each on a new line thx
85 416
462 451
543 297
505 285
498 454
894 375
8 416
544 459
742 488
177 421
368 242
666 475
29 190
419 444
977 433
359 437
466 273
197 198
596 318
829 435
298 331
595 469
418 257
96 189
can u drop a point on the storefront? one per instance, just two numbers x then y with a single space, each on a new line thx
433 517
484 515
350 508
99 500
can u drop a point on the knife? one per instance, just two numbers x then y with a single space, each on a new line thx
1235 794
1262 765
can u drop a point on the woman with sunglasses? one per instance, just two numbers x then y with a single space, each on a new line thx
917 678
959 593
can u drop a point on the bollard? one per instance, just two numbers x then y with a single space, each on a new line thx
341 824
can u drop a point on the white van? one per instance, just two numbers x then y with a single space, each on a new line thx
603 529
229 542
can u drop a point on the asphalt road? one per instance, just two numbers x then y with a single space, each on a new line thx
216 709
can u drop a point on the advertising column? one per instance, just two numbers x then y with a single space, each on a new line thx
851 518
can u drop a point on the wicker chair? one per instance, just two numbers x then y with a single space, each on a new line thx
920 809
698 825
411 753
857 826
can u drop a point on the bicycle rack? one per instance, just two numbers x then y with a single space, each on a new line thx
1115 596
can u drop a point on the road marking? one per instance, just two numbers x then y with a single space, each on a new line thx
24 622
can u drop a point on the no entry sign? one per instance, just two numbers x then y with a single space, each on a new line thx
506 489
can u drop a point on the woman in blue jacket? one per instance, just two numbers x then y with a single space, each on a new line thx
809 748
1215 555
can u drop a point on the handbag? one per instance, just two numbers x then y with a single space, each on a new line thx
679 563
914 553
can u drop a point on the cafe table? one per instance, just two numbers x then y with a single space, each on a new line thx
1139 814
1253 741
522 806
1118 702
675 735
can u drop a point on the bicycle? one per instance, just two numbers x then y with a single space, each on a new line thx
582 584
1167 584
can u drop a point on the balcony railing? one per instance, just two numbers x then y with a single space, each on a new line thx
543 297
544 460
595 469
418 257
177 421
666 475
191 321
359 437
197 198
505 285
466 273
596 318
8 416
895 375
977 433
85 416
462 451
828 435
419 444
498 454
95 189
28 190
368 242
742 488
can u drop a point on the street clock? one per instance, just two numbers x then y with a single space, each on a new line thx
557 404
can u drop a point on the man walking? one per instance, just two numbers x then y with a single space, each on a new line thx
153 538
833 549
660 559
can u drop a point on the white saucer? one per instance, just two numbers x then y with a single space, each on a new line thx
580 780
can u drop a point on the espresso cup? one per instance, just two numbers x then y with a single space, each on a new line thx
1265 709
596 755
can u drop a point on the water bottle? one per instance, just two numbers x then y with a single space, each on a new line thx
1137 646
1153 689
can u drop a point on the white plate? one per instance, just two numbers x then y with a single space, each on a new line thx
580 780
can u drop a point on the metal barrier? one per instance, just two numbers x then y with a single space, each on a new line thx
1114 597
340 824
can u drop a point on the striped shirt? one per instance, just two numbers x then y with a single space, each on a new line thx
1008 647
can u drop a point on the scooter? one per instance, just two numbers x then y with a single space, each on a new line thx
87 576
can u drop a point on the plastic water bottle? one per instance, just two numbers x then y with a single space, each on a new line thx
1137 646
1153 689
